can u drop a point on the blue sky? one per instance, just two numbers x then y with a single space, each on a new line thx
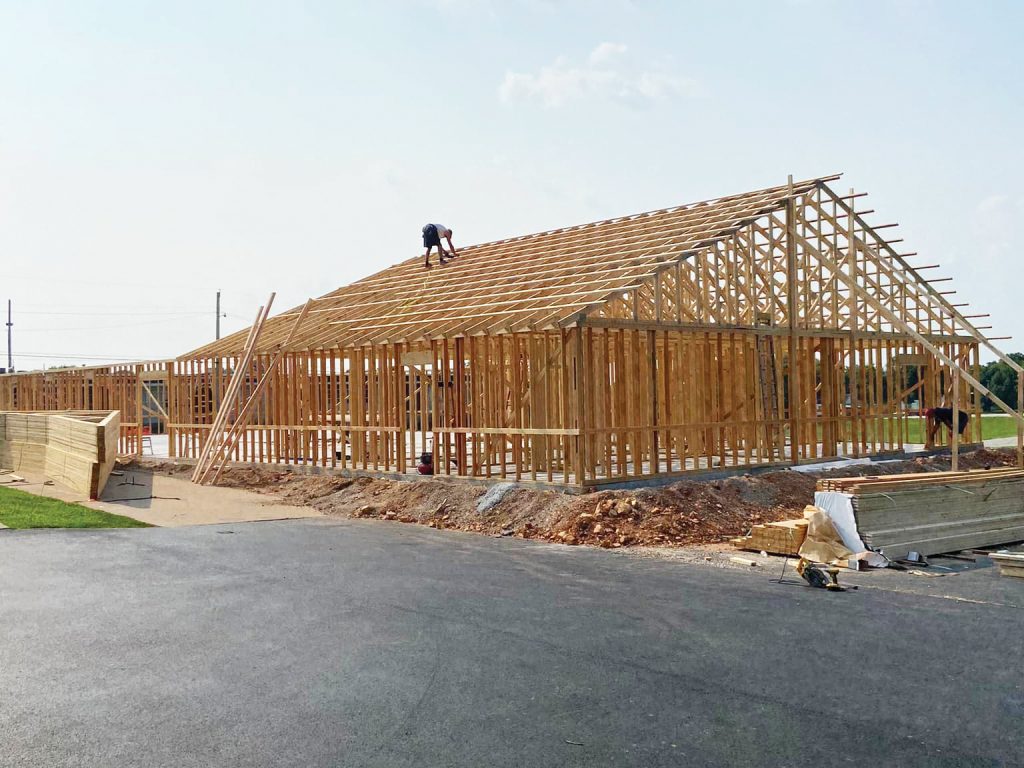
151 153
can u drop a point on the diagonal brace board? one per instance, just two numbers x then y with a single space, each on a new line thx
159 409
217 428
224 449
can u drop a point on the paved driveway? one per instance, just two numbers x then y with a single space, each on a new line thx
358 643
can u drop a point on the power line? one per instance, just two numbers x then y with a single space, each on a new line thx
257 298
103 327
85 357
77 281
107 314
102 307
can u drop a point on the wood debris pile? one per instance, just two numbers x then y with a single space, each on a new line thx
781 538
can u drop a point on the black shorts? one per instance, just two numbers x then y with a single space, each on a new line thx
430 236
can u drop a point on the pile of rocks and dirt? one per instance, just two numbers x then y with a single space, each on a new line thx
687 512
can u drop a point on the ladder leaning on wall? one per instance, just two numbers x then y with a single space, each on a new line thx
769 388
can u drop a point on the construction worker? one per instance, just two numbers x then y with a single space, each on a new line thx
432 234
939 416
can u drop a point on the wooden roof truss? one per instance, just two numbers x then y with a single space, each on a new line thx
723 263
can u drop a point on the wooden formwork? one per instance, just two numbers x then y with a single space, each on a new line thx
774 327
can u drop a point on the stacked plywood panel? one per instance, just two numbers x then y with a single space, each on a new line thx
23 442
781 538
935 512
76 449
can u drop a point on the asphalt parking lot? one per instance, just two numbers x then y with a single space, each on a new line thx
358 643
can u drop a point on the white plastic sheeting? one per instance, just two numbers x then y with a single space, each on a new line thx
839 507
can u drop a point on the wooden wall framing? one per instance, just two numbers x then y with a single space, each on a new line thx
788 337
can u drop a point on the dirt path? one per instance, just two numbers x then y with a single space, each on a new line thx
168 500
685 513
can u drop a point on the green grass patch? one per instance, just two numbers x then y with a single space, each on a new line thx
916 429
991 428
998 426
25 510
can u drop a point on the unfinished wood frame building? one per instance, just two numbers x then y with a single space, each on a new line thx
768 328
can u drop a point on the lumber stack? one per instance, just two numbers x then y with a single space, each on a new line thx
782 538
895 482
1010 563
935 512
24 441
75 449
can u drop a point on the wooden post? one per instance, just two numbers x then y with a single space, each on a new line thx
955 462
138 409
791 310
581 409
1020 425
851 266
172 409
652 344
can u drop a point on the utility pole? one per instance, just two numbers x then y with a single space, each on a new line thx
218 314
10 358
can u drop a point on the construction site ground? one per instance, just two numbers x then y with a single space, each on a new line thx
167 501
688 513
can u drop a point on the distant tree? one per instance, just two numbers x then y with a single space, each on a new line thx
1001 379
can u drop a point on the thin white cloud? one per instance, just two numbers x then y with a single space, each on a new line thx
454 6
995 221
606 51
608 73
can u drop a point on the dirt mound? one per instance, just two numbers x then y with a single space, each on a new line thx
683 513
983 458
687 512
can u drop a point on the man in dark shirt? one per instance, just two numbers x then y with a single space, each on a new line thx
940 416
432 234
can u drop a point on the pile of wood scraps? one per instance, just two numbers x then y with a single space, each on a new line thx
1010 563
7 477
781 538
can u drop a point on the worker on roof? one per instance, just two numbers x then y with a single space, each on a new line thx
432 234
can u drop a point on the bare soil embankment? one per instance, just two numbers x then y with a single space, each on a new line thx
684 513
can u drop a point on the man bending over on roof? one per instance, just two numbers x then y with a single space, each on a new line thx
939 416
432 234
